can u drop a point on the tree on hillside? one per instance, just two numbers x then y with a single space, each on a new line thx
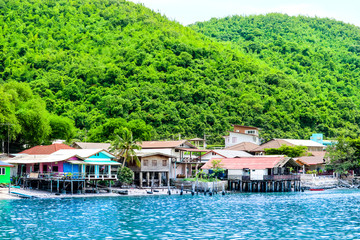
290 151
344 155
124 147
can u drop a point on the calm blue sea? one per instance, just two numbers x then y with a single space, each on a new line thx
332 214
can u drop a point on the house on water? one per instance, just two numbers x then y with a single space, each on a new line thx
5 172
154 169
260 173
185 160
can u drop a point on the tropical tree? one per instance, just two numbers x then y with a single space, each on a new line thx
343 155
124 147
290 151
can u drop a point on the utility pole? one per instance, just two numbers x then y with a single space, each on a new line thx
205 140
8 133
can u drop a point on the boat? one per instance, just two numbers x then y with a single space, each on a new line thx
316 189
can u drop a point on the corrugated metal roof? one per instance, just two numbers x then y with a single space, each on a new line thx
90 145
83 153
307 143
27 159
228 153
165 144
276 143
252 162
148 154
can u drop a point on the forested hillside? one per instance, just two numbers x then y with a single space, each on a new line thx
321 53
111 64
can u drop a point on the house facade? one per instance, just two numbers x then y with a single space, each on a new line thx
154 169
5 169
242 134
257 168
185 160
89 163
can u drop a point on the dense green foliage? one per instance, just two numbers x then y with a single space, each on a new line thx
125 175
97 60
111 64
290 151
322 55
344 156
25 120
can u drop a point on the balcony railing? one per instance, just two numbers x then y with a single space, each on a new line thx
62 175
281 177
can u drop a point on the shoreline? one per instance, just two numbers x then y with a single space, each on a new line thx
132 192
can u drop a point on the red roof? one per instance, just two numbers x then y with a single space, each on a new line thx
44 150
248 162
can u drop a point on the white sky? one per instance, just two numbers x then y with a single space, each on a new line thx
191 11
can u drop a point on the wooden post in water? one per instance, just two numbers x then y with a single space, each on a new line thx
241 186
72 186
51 186
141 179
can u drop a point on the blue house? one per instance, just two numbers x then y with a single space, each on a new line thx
319 138
96 163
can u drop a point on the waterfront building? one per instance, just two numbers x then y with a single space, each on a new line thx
154 169
260 173
5 172
242 134
186 158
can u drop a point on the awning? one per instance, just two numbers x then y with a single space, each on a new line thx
76 162
94 162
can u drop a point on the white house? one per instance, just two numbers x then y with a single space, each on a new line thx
242 134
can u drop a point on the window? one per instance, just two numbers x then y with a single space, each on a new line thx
250 131
55 168
146 162
2 171
36 167
165 163
234 140
154 163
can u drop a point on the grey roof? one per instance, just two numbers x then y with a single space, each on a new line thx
232 153
90 145
5 164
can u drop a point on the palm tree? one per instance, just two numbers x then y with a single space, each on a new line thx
124 147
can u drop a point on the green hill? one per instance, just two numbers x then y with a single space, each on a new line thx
111 64
321 53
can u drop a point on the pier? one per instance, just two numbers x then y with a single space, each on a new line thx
66 183
269 183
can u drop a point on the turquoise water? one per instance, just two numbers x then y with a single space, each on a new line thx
331 214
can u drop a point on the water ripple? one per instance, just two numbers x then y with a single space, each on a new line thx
321 215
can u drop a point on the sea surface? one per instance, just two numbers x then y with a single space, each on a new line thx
332 214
